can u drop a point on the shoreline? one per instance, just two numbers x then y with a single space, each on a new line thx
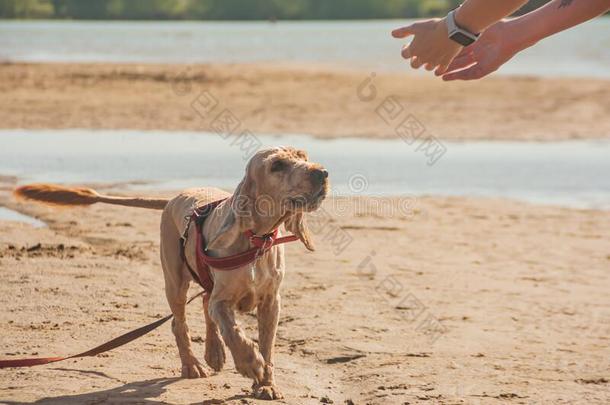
327 103
127 188
317 137
522 171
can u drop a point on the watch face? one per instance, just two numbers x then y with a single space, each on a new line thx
461 39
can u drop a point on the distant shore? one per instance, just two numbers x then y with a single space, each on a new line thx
286 98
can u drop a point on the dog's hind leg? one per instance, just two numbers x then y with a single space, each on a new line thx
215 355
191 367
176 288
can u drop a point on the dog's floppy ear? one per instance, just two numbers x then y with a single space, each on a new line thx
296 224
237 217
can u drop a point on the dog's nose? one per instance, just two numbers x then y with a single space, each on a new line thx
319 175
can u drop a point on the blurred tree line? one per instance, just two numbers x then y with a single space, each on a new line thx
228 9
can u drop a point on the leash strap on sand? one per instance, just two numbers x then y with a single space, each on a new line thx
104 347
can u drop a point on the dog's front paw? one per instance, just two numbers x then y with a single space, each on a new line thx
193 371
267 392
250 363
252 370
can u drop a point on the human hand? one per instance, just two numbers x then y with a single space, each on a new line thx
495 47
431 45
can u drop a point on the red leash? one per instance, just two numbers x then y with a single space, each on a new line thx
112 344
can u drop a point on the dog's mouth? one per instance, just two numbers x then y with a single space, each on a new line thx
309 202
319 196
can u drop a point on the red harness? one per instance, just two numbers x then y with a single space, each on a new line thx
202 274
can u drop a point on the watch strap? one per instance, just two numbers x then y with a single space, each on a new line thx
459 34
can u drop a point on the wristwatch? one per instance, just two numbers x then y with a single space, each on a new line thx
459 35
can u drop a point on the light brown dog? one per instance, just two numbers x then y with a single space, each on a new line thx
279 186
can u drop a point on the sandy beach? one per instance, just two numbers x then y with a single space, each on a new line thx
447 301
314 100
456 301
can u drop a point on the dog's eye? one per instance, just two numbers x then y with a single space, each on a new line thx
278 165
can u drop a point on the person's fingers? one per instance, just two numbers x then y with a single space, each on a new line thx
463 74
404 32
472 73
465 51
416 62
429 66
443 66
441 70
461 63
406 52
464 56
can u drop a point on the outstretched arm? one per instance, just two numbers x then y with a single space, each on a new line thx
556 16
500 42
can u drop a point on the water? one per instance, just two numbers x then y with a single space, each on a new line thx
14 216
574 173
581 51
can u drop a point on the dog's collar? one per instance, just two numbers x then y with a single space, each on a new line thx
262 242
260 245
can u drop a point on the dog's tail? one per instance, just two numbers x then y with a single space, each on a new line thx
66 196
